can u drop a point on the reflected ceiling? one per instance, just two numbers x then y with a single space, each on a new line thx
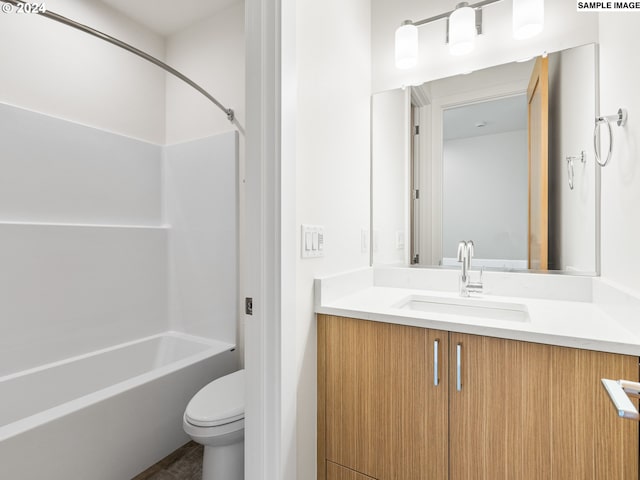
486 118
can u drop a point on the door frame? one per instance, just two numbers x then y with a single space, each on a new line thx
435 169
267 260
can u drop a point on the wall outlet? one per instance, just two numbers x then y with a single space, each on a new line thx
312 238
399 240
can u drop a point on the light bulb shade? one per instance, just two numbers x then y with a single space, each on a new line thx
528 18
462 31
406 46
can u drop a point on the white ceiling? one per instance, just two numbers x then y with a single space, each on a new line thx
168 16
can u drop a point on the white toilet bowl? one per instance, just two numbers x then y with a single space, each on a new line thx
215 418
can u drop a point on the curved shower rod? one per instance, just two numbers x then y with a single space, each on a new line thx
119 43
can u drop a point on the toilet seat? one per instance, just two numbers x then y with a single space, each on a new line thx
219 403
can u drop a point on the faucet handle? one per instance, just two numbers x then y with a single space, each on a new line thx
462 245
469 251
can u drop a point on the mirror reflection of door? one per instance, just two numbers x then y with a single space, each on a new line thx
538 131
484 195
415 185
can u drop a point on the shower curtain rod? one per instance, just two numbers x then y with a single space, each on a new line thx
119 43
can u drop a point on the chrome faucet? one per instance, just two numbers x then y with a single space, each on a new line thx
465 254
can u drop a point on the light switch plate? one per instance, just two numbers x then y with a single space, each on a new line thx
312 241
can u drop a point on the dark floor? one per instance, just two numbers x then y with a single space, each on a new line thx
183 464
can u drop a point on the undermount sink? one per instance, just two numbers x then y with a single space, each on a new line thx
468 307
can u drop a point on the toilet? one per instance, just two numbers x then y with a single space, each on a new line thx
215 418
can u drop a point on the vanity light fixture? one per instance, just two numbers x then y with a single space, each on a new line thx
407 45
464 23
462 29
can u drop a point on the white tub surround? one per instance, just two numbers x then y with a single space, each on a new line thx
571 311
82 417
106 240
58 171
201 198
67 290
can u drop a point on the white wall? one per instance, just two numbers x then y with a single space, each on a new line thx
390 126
332 171
211 53
484 195
619 80
572 108
60 71
564 28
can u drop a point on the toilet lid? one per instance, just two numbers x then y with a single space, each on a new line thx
219 402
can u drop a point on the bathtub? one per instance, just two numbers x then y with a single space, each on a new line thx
106 415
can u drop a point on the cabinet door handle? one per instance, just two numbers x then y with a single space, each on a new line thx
619 393
459 367
436 379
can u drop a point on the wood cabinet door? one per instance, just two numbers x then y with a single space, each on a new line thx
380 411
531 411
353 389
499 409
415 408
590 440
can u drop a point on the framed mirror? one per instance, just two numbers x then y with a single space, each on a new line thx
501 156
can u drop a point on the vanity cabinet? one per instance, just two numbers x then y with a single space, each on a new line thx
401 403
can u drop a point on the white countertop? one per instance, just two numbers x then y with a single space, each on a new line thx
607 324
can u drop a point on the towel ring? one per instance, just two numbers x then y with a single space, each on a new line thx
621 120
